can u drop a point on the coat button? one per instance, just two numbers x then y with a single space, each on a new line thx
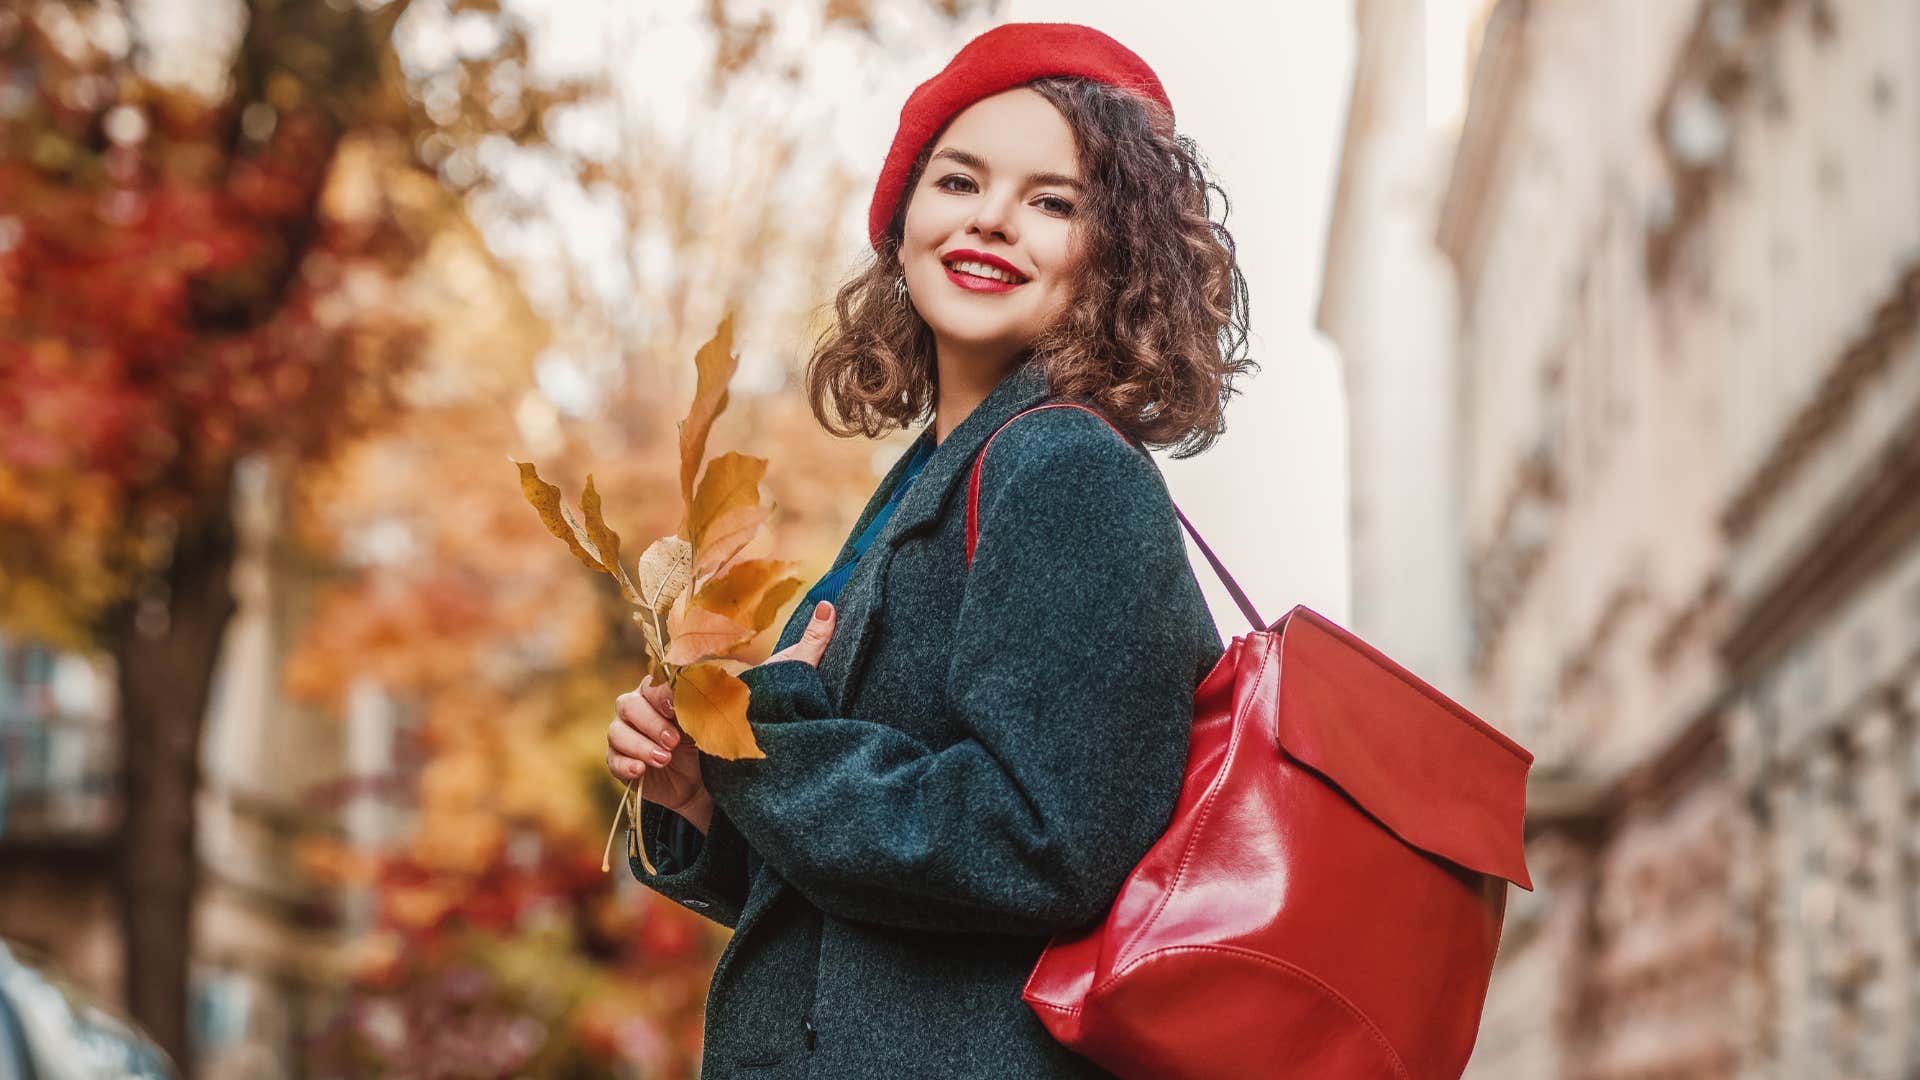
813 1037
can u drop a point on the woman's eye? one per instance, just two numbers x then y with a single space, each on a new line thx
1054 203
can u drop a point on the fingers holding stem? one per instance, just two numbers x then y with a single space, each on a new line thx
629 807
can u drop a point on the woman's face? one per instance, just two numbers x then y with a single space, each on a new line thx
1003 182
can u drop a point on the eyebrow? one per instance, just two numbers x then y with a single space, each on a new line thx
1043 179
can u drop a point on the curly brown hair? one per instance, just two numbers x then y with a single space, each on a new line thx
1154 334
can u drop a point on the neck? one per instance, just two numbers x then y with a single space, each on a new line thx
965 381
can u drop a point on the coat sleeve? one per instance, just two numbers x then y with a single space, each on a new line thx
1072 683
705 874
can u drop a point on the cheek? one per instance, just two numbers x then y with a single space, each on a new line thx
927 223
1058 299
1062 257
915 225
1061 278
915 222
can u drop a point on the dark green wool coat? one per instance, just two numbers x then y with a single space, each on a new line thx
978 762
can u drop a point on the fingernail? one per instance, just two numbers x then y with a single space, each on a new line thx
662 756
820 609
670 737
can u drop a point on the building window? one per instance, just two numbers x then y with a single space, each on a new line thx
58 759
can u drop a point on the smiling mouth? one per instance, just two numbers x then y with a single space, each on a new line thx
980 277
974 268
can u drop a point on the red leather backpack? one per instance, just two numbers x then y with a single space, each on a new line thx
1327 899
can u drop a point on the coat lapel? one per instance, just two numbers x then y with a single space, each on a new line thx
1024 386
862 597
798 617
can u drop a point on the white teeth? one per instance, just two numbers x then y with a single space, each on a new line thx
979 269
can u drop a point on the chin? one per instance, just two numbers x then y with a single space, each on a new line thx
965 323
974 337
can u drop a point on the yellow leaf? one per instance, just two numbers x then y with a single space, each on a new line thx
545 498
726 535
771 600
711 704
715 364
701 633
736 594
732 480
605 541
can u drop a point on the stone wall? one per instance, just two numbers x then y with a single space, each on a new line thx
1684 242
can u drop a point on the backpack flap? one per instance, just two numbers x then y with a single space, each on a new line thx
1435 775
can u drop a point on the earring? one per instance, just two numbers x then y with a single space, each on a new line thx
900 288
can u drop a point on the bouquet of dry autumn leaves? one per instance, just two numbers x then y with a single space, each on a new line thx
693 602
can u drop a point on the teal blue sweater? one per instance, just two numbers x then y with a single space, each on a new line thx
828 587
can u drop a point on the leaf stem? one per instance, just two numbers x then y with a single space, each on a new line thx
660 634
632 792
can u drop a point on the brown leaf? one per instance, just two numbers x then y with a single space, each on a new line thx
606 542
559 520
739 592
711 704
701 633
715 363
726 535
732 481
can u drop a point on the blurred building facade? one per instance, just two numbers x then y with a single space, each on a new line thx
1667 375
1387 301
267 955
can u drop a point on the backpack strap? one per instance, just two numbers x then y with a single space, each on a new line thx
973 509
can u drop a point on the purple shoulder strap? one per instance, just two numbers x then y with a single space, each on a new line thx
973 510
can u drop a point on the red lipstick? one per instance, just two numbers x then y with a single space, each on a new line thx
980 284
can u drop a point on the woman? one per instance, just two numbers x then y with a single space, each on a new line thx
978 755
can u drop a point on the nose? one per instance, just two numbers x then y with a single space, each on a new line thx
993 216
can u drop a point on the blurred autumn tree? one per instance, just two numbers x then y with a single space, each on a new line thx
267 261
182 285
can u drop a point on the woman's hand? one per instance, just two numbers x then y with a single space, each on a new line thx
645 736
813 643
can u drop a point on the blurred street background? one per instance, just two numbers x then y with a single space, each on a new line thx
1590 393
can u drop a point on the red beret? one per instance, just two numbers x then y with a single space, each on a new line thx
1001 59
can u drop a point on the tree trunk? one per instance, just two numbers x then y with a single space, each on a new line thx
165 670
